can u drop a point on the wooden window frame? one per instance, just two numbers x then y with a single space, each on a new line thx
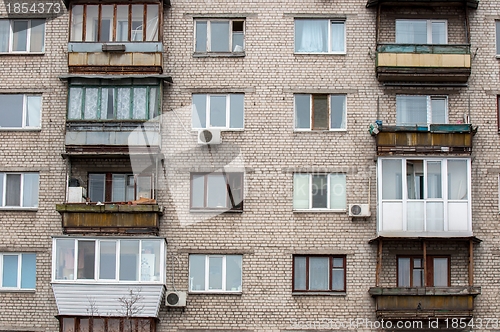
108 184
312 111
428 269
75 325
231 204
330 273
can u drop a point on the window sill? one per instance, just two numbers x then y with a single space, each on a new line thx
319 293
320 53
22 53
318 211
21 129
319 131
218 54
238 293
29 291
215 211
18 208
218 128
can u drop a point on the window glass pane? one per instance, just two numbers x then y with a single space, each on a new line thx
37 35
68 324
152 23
118 188
299 273
216 191
11 110
28 271
107 260
403 272
91 23
4 35
153 102
33 111
107 103
434 179
139 110
319 191
13 190
201 36
415 179
337 37
435 216
411 31
440 272
318 273
144 187
391 179
197 191
302 111
498 36
123 107
300 191
137 22
86 259
129 260
30 190
219 36
338 112
76 23
150 260
106 23
217 111
235 182
83 325
9 276
122 22
311 35
96 187
411 110
196 272
320 112
233 273
236 110
20 31
91 103
457 179
238 41
199 117
438 33
65 259
338 279
2 175
438 109
215 273
75 103
418 273
337 191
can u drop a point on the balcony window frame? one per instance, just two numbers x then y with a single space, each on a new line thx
207 41
232 111
429 31
73 260
231 204
311 190
329 22
207 274
108 185
22 188
25 110
29 31
20 271
429 266
307 273
330 115
429 109
114 22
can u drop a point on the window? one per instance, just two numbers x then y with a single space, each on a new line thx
319 191
421 32
20 111
411 271
320 112
117 187
223 36
122 260
18 271
497 23
433 193
113 103
319 273
22 36
19 190
218 191
421 110
319 36
218 111
111 324
215 273
115 23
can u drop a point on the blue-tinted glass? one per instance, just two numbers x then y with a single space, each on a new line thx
9 271
199 111
201 36
28 271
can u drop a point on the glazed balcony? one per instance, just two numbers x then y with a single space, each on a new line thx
401 303
423 63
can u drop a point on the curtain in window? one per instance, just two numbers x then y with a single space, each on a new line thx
152 23
37 35
216 191
404 272
86 260
438 110
123 107
338 112
20 31
122 23
318 273
438 32
4 35
76 23
434 179
91 103
139 109
197 272
299 273
65 259
153 102
411 31
337 191
440 272
30 190
198 191
75 103
9 276
411 110
391 175
311 36
301 191
337 36
13 190
2 175
457 180
28 271
33 111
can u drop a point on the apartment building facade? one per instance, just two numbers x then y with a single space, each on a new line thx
237 165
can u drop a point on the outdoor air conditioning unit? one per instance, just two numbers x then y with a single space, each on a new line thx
77 194
209 136
359 210
176 299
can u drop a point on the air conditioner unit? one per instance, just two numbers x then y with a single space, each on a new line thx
176 299
209 136
359 210
77 194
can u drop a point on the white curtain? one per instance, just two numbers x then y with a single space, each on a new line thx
457 180
91 103
33 111
411 110
337 36
411 32
337 191
139 109
75 103
337 112
318 273
30 189
311 36
301 191
404 272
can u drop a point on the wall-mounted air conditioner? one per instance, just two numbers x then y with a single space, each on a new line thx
209 136
77 195
176 299
359 210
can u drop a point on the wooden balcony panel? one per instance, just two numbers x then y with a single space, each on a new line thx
127 62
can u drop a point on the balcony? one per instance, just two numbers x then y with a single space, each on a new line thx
423 63
142 216
435 138
400 303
